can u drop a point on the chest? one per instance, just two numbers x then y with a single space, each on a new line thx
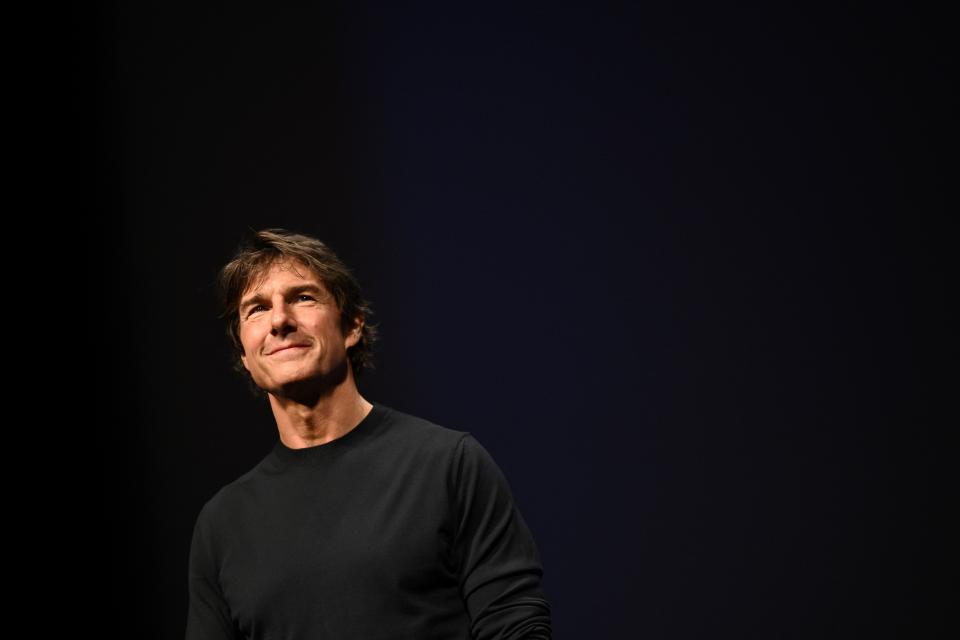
316 551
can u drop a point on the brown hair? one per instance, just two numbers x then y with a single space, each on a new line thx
257 253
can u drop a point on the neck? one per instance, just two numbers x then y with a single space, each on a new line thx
325 417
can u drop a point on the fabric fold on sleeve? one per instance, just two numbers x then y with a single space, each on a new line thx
499 562
208 615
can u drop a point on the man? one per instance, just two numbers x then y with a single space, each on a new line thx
362 522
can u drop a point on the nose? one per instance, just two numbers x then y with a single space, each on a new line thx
281 321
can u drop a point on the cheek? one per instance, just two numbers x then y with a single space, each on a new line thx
248 342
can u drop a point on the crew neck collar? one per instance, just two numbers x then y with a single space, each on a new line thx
285 455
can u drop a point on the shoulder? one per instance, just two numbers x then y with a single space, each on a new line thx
404 429
460 452
412 442
232 500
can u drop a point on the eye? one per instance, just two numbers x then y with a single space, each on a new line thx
305 297
256 309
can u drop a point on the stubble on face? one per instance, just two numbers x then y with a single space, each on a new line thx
291 332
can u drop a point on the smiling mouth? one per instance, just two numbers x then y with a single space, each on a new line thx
287 348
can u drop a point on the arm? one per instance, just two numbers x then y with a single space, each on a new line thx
499 563
208 615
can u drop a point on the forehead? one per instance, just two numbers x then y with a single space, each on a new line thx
280 274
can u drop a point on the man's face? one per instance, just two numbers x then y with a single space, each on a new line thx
290 329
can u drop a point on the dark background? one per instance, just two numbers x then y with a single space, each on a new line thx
680 268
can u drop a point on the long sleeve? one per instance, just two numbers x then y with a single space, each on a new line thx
500 569
208 616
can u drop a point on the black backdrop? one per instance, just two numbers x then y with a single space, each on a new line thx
682 269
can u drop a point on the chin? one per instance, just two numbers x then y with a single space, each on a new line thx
299 382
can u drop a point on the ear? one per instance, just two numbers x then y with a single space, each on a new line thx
243 359
354 331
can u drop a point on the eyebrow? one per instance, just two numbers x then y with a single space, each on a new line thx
259 298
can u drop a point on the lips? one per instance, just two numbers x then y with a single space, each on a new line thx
286 347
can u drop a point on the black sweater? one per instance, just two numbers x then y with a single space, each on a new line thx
398 529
